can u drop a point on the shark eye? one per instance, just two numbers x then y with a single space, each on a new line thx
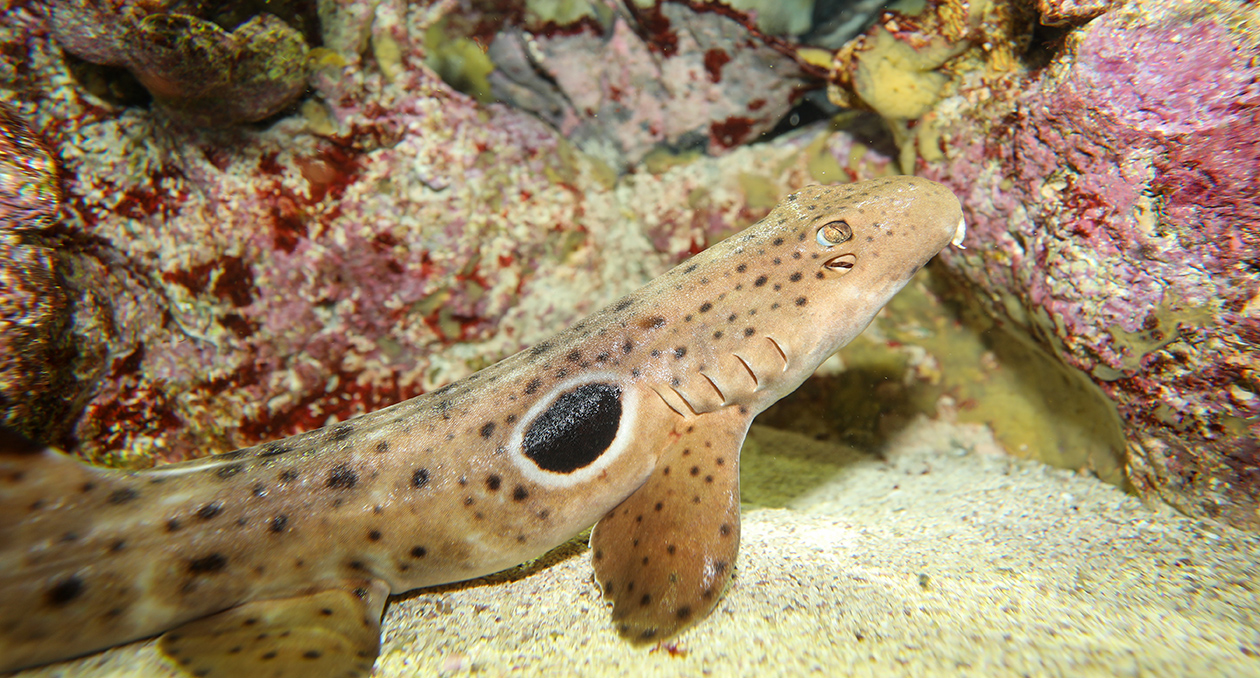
834 233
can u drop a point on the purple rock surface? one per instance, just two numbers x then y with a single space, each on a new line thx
1113 211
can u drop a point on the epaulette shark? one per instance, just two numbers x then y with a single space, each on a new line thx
277 559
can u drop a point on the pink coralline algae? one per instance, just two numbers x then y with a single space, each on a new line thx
196 71
665 75
221 287
1112 203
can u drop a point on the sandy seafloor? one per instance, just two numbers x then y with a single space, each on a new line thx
944 557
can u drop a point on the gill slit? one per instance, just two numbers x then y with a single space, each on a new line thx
715 387
756 381
782 353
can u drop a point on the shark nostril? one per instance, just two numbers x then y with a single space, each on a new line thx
842 263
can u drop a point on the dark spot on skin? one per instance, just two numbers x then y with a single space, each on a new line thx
229 471
382 447
575 356
660 505
279 523
731 318
493 482
487 429
708 479
374 535
173 525
777 261
122 496
520 493
774 306
469 501
419 552
627 347
601 358
652 323
656 353
540 348
272 450
533 385
695 470
646 560
671 549
87 487
684 613
707 594
420 478
520 539
748 331
117 546
717 334
797 255
312 654
795 277
342 477
761 280
215 562
724 530
680 352
645 600
511 418
64 591
210 510
259 490
576 429
706 307
356 565
622 305
341 432
665 471
800 301
288 475
269 655
544 514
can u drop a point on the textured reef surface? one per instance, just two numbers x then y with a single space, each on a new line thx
1112 199
257 224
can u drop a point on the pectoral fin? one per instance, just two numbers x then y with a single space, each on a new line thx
332 632
666 554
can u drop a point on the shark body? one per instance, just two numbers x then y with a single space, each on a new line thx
278 559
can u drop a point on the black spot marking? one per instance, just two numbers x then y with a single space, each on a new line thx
420 478
229 471
627 347
269 655
577 428
487 429
419 552
622 305
382 447
312 654
117 546
706 307
748 331
64 591
520 493
761 280
656 353
493 482
533 385
356 565
540 348
659 505
272 450
173 525
259 490
741 268
684 613
680 352
279 523
795 277
288 475
342 477
215 562
210 510
645 600
800 301
122 496
671 549
374 535
717 334
819 275
777 242
725 530
341 432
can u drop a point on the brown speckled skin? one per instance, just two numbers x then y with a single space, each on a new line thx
434 489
